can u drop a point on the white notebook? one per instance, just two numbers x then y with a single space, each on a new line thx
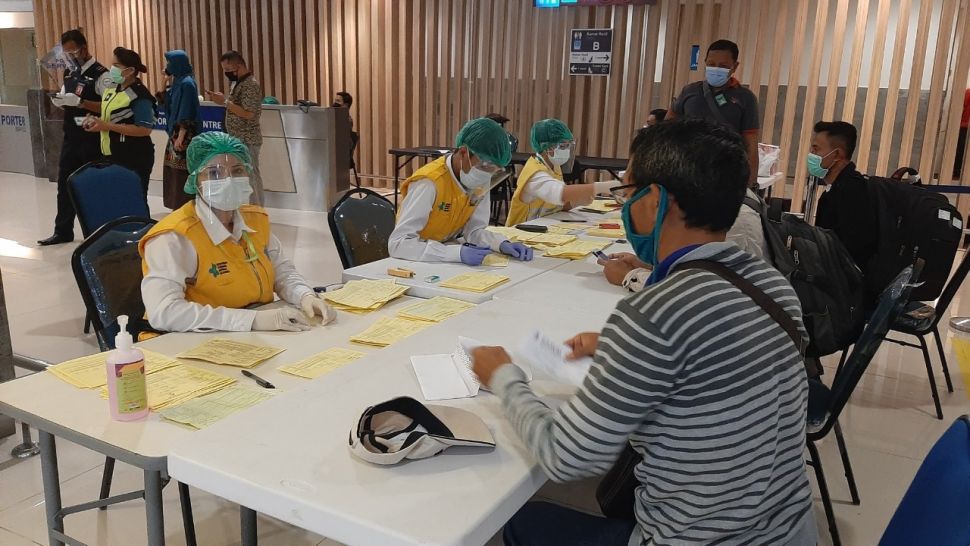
448 376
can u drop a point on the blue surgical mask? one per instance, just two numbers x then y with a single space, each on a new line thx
717 76
815 167
645 246
116 74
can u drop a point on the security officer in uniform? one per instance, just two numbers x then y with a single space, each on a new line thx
84 83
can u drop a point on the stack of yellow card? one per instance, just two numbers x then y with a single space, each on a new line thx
475 282
603 205
576 250
388 330
205 410
89 372
364 296
496 260
567 230
550 239
172 386
436 309
229 352
322 363
607 232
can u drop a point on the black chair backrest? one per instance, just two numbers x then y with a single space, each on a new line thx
361 224
952 287
103 191
890 305
107 268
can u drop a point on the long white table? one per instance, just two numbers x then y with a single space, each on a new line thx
57 409
577 286
419 286
461 497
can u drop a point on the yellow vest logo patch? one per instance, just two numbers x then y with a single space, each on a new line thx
444 206
220 268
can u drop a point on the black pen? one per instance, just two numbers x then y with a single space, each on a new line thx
259 380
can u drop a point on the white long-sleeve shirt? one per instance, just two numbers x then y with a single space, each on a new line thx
172 259
544 186
406 244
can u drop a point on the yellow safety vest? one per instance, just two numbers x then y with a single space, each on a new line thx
224 276
451 209
519 210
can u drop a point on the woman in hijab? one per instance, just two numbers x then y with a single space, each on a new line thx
182 122
207 263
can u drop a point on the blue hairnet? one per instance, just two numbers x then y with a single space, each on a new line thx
206 146
487 140
547 133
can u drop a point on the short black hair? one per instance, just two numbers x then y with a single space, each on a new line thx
725 45
129 58
703 165
842 133
347 98
74 35
497 118
233 56
659 113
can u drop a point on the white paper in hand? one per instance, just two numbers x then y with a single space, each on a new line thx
444 377
548 360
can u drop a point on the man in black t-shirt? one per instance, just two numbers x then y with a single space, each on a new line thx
84 83
846 207
720 98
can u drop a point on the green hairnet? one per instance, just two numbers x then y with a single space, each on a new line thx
547 133
206 146
487 140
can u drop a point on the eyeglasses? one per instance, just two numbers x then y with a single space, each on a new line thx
622 193
219 172
488 167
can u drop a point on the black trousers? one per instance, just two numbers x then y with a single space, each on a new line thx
961 145
139 158
75 153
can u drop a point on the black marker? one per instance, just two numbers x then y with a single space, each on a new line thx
259 380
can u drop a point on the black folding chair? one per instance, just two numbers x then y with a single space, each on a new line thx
361 224
500 194
107 269
825 405
354 140
921 319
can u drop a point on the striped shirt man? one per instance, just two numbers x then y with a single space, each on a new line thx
709 389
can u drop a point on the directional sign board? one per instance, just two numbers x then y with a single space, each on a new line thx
590 51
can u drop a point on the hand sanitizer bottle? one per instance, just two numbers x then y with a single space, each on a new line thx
127 393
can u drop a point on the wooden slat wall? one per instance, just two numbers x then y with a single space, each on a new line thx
419 68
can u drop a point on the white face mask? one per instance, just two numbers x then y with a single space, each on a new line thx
560 156
227 194
475 178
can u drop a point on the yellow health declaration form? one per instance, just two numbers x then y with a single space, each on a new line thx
388 330
475 282
177 384
89 372
435 309
228 352
321 363
205 410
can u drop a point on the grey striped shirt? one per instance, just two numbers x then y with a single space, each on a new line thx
712 393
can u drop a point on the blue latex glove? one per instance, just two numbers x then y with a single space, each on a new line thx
474 255
517 250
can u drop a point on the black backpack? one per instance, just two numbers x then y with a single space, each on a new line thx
914 223
827 281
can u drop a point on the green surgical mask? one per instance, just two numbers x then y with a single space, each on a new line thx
116 74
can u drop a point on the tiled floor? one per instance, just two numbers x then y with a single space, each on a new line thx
889 423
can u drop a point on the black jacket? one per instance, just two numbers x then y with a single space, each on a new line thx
848 210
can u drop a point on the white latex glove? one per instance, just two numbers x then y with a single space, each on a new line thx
286 318
313 304
57 100
70 99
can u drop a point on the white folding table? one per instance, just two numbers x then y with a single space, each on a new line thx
423 286
461 497
57 409
578 286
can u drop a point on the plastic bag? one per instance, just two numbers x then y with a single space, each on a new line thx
767 159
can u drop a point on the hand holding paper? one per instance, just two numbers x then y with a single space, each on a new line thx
555 360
